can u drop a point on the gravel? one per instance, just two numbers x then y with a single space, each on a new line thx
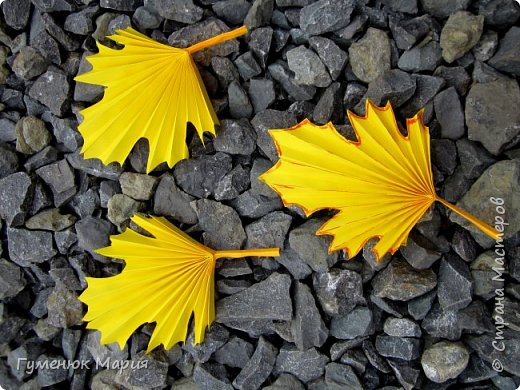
424 317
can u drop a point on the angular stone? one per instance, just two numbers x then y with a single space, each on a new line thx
341 376
50 219
506 58
508 354
305 365
307 67
486 46
281 73
260 43
120 5
499 13
404 348
48 376
235 353
419 252
461 32
455 287
482 274
259 14
67 41
406 32
84 92
401 327
374 358
393 85
357 323
423 58
215 338
66 134
448 110
338 291
270 119
269 231
444 8
239 104
121 208
52 90
370 56
258 368
247 66
28 63
332 56
267 300
294 264
16 193
170 201
308 328
224 68
444 360
325 16
426 89
233 184
235 137
138 186
419 307
65 309
31 135
93 233
60 178
285 381
311 248
211 376
250 204
442 323
82 22
16 13
409 376
328 107
232 11
399 281
262 93
12 280
474 159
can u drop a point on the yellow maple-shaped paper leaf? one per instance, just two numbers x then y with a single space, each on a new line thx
166 279
381 184
152 91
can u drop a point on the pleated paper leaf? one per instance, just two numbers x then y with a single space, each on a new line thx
152 91
166 279
381 185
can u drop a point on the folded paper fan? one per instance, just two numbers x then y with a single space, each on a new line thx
152 91
166 278
381 185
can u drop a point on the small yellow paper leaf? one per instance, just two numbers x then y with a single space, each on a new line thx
166 279
152 91
381 185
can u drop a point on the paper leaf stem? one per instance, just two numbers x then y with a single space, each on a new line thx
381 185
152 91
166 278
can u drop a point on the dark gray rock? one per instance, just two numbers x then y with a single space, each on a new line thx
305 365
421 58
215 337
28 63
448 110
456 77
506 58
211 376
65 309
374 358
500 13
262 93
357 323
234 267
258 368
328 107
239 104
419 252
12 280
407 32
232 286
46 156
370 56
199 176
285 381
267 300
338 291
408 7
444 360
235 353
260 166
52 371
308 328
307 67
247 66
93 233
461 32
66 134
509 356
269 231
390 307
486 47
16 13
399 281
120 5
250 204
341 347
444 8
121 208
426 88
9 161
401 327
294 264
232 11
281 73
474 159
184 11
482 274
355 358
151 371
311 248
353 95
270 119
52 90
84 92
233 184
332 56
259 14
260 43
455 287
7 130
16 193
405 348
147 18
60 178
67 41
224 68
341 376
409 376
325 16
82 22
444 155
393 85
464 245
221 224
442 323
65 239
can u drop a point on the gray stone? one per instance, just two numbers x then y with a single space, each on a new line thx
281 73
374 358
170 201
235 353
404 348
267 300
65 309
258 368
341 376
486 47
357 323
393 85
66 134
259 14
269 231
60 178
199 176
7 130
307 67
444 8
262 94
426 88
31 135
464 245
151 372
455 287
232 286
235 137
499 13
47 375
285 381
474 159
93 233
270 119
28 63
353 95
232 11
294 264
84 92
201 31
221 224
325 16
46 156
120 5
409 376
508 357
250 204
233 184
461 32
499 180
86 203
147 18
370 56
52 90
50 219
442 323
311 248
120 208
401 327
16 13
239 104
82 22
138 186
260 43
214 338
456 77
67 41
305 365
211 376
421 58
400 282
119 23
328 107
448 110
224 68
506 58
406 6
419 252
444 360
482 274
16 193
308 328
332 56
407 32
12 279
355 358
65 239
338 291
247 66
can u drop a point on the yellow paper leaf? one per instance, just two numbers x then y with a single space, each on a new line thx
166 279
152 91
381 185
